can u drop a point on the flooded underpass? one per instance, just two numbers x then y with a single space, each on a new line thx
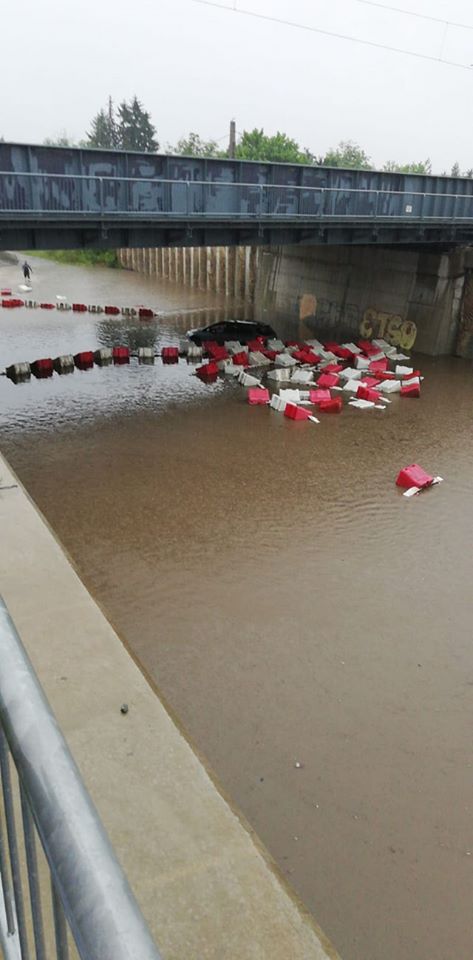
309 627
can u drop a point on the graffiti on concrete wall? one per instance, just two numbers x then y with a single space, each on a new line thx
388 326
329 311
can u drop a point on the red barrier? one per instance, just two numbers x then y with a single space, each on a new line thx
367 393
217 352
112 311
207 372
145 313
294 412
328 380
121 355
42 368
170 354
84 360
13 302
333 368
257 395
414 476
367 347
270 354
334 405
6 292
379 366
319 396
372 381
47 306
256 344
412 390
78 307
241 359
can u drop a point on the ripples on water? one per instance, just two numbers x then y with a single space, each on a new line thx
290 603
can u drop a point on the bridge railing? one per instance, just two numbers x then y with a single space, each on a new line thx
48 195
67 893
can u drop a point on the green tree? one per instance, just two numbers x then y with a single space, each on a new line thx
103 132
135 130
194 146
347 154
60 140
256 145
456 172
422 166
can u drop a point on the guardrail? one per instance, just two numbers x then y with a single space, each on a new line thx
49 195
89 903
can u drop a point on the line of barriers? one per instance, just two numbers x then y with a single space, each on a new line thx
76 899
43 194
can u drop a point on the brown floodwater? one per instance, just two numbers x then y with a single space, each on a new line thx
291 605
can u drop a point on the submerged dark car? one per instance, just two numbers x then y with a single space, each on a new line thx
242 330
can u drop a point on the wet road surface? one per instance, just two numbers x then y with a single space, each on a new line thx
291 605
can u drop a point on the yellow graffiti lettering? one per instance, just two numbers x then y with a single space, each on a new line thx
388 326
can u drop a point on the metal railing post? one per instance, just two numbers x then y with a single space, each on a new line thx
101 911
13 844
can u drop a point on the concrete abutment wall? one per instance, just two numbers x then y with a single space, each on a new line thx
419 298
416 298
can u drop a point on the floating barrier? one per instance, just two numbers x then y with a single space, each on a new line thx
170 354
103 357
216 351
12 302
241 359
194 352
257 359
258 395
146 354
319 396
5 292
47 306
31 304
94 308
111 311
64 363
145 313
414 476
328 380
62 305
42 368
84 360
248 381
79 307
293 412
18 372
415 479
368 393
207 372
278 403
121 354
334 405
410 390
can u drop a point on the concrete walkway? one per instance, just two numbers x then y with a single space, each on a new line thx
206 886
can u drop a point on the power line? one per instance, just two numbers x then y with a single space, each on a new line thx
330 33
420 16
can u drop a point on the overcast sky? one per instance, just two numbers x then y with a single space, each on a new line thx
195 67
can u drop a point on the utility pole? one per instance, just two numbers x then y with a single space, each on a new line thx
232 140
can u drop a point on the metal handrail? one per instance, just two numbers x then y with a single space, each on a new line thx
70 177
88 882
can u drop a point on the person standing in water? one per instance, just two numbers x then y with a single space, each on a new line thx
27 271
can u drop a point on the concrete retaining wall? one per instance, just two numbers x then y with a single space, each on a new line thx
231 271
333 290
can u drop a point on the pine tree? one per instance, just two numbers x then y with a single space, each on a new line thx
135 130
104 132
